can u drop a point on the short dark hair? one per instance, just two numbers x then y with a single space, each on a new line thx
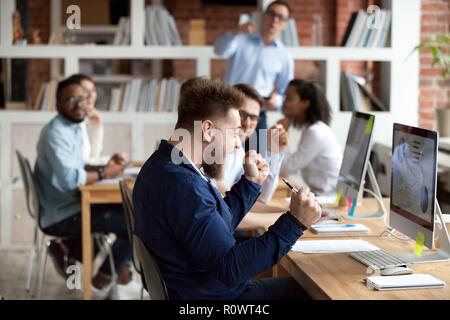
81 77
206 99
65 83
250 92
280 3
319 108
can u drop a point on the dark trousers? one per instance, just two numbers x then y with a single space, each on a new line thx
105 218
260 138
274 289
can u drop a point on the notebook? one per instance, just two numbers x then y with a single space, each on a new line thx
332 246
339 228
404 282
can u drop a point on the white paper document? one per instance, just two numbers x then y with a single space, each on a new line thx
410 281
332 246
109 181
339 228
132 171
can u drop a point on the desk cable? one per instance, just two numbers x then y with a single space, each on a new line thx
390 231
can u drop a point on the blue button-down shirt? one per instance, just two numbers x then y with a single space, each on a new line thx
251 62
59 170
184 221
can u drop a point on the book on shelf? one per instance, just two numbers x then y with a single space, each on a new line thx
122 35
289 36
359 34
357 96
160 27
146 95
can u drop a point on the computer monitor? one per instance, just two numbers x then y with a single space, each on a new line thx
356 155
413 181
413 188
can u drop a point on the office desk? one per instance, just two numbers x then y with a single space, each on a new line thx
368 205
338 276
94 194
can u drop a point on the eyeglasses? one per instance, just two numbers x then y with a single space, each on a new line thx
75 99
274 15
244 115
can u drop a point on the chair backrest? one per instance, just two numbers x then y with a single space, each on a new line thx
31 195
150 272
128 210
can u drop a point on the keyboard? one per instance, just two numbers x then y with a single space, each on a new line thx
378 259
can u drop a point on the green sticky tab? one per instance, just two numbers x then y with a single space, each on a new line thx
336 202
420 241
369 125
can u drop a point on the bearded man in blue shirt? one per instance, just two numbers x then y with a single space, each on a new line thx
260 60
187 225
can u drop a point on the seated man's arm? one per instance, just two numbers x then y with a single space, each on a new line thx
69 171
207 238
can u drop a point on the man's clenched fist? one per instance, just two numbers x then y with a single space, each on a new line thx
305 207
256 168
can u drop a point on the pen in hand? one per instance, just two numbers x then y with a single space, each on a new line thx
295 190
290 185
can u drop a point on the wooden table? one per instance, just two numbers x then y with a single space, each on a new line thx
338 276
94 194
370 205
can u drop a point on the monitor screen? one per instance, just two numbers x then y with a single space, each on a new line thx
355 153
413 175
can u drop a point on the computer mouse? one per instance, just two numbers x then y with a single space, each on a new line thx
396 271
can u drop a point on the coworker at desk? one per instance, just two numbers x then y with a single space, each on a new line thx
258 58
234 161
93 145
59 171
318 156
187 225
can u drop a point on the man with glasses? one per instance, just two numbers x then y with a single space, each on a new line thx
234 169
259 58
59 172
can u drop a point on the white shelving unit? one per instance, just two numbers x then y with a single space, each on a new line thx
403 81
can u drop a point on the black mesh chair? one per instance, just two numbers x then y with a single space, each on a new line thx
143 261
38 251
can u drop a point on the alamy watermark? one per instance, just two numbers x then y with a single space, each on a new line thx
74 20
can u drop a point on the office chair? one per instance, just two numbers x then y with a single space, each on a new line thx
148 269
38 250
150 272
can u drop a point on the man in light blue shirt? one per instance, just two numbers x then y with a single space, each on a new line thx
259 58
59 171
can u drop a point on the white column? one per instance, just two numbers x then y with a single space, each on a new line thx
71 65
5 184
203 66
7 8
137 21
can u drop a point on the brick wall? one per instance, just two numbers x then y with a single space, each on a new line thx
434 91
38 69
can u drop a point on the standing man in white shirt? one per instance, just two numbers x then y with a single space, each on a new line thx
260 59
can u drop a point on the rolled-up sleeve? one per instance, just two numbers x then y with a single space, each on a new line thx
227 45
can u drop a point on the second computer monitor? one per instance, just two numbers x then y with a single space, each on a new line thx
356 154
413 181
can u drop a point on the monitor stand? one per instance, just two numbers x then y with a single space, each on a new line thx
381 212
440 255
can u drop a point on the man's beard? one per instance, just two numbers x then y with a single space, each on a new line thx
213 171
70 118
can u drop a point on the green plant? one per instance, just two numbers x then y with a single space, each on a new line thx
439 48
